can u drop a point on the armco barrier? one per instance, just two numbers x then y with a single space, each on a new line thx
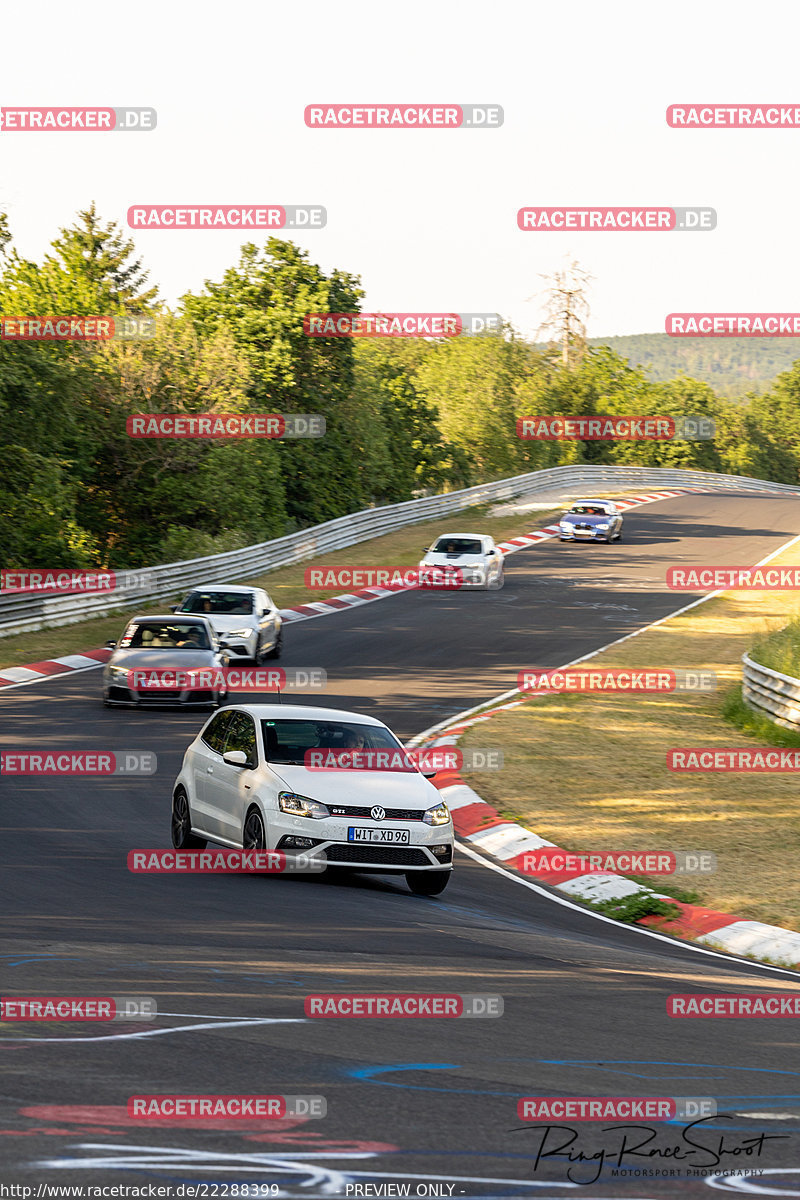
769 692
21 614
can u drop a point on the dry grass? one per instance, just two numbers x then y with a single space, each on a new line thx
588 772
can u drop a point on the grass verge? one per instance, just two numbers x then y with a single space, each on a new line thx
589 772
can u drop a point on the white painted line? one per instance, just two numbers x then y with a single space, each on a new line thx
145 1033
588 912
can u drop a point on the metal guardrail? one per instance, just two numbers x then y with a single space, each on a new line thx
21 613
769 692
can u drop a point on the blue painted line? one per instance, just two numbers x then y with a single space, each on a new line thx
40 958
580 1062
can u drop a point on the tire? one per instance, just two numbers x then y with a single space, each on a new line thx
619 536
275 652
427 883
182 836
254 836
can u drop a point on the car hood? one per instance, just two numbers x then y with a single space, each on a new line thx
581 519
222 622
164 659
392 789
453 560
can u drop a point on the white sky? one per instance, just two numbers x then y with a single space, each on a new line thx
426 218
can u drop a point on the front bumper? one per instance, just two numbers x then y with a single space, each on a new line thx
464 577
244 647
584 535
331 843
124 697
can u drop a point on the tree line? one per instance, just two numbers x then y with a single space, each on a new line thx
403 417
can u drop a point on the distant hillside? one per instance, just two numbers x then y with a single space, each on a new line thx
732 366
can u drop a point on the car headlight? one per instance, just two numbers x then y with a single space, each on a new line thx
565 524
117 672
438 815
237 633
602 525
301 806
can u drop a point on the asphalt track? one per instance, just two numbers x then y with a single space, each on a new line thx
230 958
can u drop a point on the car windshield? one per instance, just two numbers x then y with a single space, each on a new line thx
169 635
230 604
288 741
451 545
589 510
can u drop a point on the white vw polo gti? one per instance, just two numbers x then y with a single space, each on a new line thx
326 783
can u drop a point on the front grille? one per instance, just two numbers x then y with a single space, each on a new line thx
392 814
156 696
115 692
390 856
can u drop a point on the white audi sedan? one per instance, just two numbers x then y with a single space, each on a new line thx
245 617
473 558
258 777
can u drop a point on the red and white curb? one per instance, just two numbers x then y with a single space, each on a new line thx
507 842
324 608
13 676
33 672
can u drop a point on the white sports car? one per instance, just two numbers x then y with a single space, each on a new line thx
244 617
251 780
473 558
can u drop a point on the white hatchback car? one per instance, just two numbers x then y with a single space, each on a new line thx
475 555
247 782
244 617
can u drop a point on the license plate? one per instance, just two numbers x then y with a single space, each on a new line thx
394 837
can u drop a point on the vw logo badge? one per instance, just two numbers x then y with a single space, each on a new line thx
377 813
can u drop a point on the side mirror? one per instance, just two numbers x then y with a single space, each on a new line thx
235 758
111 645
429 773
174 607
223 645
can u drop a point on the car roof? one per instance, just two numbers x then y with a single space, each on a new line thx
224 587
171 619
574 502
308 712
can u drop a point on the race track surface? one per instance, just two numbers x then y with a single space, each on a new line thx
231 958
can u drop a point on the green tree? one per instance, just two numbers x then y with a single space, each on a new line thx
262 302
142 490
